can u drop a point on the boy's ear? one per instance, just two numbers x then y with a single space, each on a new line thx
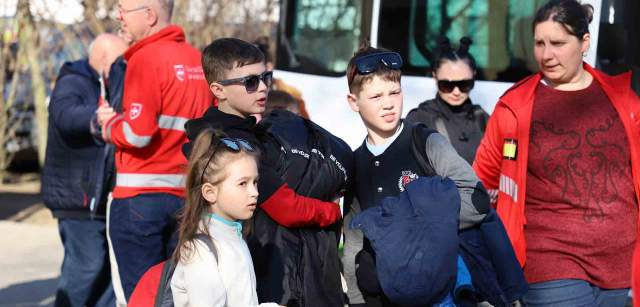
152 16
217 90
210 193
352 99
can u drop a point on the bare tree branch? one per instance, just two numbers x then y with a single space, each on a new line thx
44 45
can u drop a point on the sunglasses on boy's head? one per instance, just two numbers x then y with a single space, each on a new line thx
369 63
251 82
232 144
447 86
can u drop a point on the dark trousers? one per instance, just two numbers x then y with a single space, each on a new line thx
573 292
85 278
142 232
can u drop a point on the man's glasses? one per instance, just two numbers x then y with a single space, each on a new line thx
447 86
231 144
251 82
124 11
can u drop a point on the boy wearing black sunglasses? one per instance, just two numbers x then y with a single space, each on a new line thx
237 76
385 163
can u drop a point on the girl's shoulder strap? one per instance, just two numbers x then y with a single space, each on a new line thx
164 296
207 240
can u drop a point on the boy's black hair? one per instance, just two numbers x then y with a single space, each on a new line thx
355 80
225 54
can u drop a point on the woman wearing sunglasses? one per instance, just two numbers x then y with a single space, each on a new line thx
562 155
451 111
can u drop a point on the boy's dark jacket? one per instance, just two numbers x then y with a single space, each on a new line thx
495 270
294 266
415 238
496 274
68 178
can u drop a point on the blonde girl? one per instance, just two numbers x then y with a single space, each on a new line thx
214 267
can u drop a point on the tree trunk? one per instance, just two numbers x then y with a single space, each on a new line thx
29 46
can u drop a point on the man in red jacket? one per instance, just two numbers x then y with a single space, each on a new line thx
164 87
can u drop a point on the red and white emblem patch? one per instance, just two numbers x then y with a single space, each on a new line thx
406 178
179 71
135 111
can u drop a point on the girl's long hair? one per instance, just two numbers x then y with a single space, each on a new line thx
206 162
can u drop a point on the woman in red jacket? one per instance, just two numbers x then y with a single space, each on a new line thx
561 154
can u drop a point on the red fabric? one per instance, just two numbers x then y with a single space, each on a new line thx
511 119
144 295
580 203
292 210
164 79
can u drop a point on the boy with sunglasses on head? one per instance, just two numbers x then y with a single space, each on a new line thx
239 79
385 163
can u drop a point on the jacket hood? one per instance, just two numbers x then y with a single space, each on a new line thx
168 33
232 125
81 68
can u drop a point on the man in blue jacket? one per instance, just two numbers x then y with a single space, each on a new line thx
67 177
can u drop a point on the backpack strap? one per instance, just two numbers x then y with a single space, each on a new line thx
164 297
207 240
441 127
163 294
419 135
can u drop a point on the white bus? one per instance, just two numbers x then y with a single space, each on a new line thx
316 38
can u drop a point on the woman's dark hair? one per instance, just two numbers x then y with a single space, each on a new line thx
445 52
279 100
262 43
572 15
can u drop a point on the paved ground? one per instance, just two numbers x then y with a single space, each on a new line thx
30 248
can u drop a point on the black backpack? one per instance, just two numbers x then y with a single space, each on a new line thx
316 164
419 134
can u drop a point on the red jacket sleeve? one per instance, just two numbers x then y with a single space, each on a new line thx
286 207
489 155
292 210
141 102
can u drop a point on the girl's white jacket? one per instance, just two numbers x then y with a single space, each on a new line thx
208 280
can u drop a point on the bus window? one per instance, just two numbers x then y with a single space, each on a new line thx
501 33
321 35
